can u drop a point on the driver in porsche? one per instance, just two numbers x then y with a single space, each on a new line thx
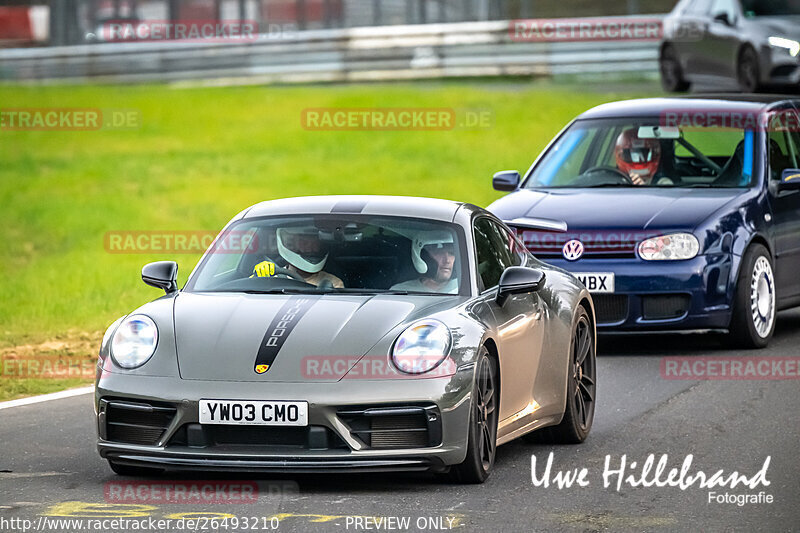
304 255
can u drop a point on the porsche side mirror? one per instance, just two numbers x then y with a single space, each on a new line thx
162 275
507 180
519 280
790 180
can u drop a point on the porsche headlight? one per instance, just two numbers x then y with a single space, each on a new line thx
134 341
421 347
109 331
672 247
789 44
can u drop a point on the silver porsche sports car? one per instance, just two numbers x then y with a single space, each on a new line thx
349 333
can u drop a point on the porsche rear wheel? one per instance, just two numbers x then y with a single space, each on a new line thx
136 471
482 439
581 388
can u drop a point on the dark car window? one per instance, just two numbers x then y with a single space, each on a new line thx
496 249
770 8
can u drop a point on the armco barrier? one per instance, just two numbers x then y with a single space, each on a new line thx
355 54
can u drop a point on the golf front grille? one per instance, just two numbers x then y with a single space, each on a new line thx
394 427
610 308
134 422
665 306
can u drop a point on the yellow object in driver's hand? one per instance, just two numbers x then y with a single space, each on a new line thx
264 269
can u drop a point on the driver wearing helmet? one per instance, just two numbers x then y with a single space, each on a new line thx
433 256
639 158
303 253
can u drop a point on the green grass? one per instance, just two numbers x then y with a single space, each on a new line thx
203 155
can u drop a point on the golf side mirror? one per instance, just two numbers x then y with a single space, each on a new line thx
519 280
507 180
162 275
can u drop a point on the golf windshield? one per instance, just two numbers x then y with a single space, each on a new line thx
335 254
648 153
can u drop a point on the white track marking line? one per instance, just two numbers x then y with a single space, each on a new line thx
47 397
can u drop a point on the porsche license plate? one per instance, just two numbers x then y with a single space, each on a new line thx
253 413
597 281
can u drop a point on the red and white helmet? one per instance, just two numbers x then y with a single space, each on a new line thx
639 156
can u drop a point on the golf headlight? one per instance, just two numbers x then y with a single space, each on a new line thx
672 247
134 341
421 347
789 44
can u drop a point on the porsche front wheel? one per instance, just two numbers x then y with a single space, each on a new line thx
581 388
482 439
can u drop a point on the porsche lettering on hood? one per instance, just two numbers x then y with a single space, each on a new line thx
279 329
227 336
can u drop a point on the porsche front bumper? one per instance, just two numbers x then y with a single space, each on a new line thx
353 425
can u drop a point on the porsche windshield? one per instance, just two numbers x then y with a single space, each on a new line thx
335 253
646 153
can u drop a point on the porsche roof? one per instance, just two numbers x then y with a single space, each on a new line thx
648 107
418 207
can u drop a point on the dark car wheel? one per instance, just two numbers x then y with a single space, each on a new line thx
581 388
138 471
747 71
482 440
671 73
754 306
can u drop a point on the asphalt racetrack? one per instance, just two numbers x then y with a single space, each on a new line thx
50 471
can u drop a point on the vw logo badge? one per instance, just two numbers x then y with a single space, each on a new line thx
573 250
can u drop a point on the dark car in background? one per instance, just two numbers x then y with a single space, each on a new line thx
754 43
678 214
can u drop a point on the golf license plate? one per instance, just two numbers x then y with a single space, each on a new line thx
257 413
597 281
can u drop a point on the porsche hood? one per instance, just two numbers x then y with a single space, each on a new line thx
251 337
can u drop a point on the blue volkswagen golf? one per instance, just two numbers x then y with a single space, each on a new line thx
678 214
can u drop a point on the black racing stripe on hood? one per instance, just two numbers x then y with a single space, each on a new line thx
349 206
279 330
